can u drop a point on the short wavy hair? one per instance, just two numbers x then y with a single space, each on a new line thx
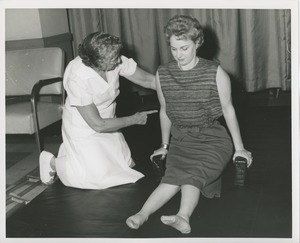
184 27
98 49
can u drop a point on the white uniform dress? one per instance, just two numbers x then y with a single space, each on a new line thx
88 159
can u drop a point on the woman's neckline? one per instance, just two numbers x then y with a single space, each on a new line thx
185 70
102 74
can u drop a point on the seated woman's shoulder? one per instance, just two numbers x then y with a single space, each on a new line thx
209 62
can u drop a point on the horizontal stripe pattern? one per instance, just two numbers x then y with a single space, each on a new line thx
192 97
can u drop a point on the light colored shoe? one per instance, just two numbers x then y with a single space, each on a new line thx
46 172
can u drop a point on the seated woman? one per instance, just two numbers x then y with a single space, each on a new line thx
193 93
94 153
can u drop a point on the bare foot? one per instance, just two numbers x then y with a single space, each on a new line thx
177 222
136 221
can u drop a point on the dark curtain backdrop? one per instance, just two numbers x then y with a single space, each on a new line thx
252 45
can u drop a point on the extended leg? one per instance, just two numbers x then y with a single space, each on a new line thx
162 194
189 200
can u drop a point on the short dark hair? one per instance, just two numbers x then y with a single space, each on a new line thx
184 27
98 48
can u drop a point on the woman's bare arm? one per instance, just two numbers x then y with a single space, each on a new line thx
224 89
92 117
143 78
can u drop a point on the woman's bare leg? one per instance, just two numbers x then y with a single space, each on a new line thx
162 194
189 199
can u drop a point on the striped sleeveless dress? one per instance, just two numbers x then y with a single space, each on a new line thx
200 147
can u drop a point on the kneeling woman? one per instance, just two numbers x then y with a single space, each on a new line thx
94 153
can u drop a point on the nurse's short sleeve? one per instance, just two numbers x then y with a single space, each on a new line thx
128 66
78 94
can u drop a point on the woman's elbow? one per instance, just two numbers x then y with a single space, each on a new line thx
99 127
151 83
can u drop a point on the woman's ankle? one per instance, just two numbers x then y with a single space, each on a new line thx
144 215
185 217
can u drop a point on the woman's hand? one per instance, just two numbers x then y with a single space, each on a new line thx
140 118
245 154
159 151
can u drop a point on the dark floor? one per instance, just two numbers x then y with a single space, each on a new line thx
260 209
